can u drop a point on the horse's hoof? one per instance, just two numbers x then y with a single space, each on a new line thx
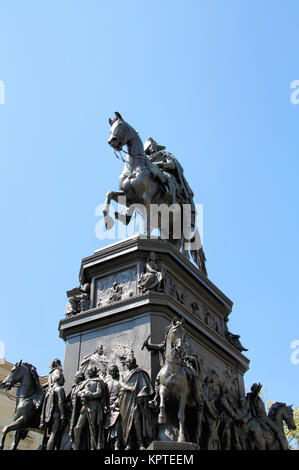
109 222
125 219
162 419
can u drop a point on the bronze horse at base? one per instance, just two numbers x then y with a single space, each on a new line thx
142 188
29 400
265 439
175 383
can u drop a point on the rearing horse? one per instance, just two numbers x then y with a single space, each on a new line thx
176 382
141 185
29 399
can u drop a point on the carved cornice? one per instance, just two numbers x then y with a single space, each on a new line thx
132 249
150 302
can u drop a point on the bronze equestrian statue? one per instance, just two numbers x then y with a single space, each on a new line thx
151 182
29 401
179 379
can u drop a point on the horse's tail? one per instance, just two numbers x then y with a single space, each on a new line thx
197 252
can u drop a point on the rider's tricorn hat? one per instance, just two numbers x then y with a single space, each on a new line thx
150 142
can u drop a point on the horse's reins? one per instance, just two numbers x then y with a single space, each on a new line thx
123 159
120 156
171 354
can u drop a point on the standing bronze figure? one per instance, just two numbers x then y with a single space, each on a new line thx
211 414
72 399
113 424
53 417
229 418
90 397
97 359
137 422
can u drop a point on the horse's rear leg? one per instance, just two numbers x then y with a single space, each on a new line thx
162 415
16 440
16 425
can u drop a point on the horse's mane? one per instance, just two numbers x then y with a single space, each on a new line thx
168 328
33 373
273 409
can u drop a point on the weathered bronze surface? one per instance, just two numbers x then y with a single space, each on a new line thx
150 362
153 177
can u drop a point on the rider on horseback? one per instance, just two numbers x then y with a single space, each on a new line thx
258 413
190 364
53 413
171 168
54 375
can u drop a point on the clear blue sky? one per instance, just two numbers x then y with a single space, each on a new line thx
208 79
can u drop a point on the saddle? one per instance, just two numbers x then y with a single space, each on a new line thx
156 172
266 431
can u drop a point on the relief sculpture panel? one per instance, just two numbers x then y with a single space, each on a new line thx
115 287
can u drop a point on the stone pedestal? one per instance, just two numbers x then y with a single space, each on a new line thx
121 316
161 446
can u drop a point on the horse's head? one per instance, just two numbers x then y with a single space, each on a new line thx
288 417
280 412
14 377
176 335
119 132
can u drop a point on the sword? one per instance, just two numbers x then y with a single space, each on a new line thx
145 342
90 425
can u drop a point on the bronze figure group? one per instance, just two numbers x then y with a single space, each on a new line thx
109 409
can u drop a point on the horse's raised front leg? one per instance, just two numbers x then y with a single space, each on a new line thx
181 416
111 195
162 415
16 425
